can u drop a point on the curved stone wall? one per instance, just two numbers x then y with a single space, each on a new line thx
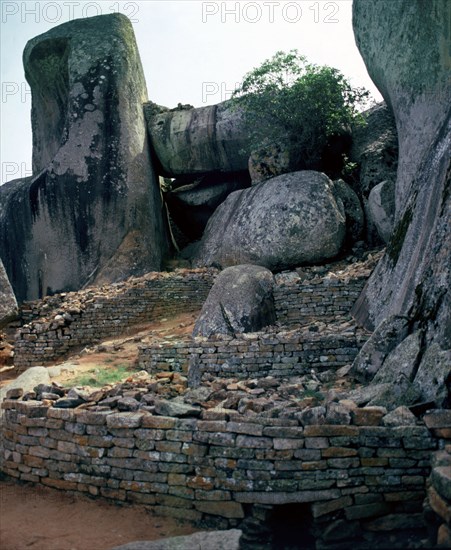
371 477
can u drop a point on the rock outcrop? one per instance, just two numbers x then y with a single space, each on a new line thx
284 222
92 210
199 141
8 303
381 209
405 47
375 148
355 217
241 300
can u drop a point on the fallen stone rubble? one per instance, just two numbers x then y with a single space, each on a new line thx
315 398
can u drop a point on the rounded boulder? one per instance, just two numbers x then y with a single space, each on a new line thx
241 300
290 220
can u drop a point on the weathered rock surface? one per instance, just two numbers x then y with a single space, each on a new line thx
375 148
281 223
385 338
412 73
8 303
241 300
397 393
353 211
433 375
274 160
402 360
197 141
92 210
192 205
401 416
381 209
204 540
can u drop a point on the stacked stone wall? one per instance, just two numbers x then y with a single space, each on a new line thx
298 301
438 502
279 354
357 479
60 324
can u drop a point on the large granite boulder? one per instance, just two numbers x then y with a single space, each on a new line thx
199 141
92 210
192 204
375 148
405 47
284 222
241 300
8 303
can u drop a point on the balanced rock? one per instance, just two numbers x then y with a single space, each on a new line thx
8 303
92 210
198 141
284 222
241 300
412 73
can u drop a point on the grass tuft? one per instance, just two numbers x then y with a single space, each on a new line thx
100 376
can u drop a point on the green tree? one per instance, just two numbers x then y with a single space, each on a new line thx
288 100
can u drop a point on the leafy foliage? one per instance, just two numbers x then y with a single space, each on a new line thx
287 99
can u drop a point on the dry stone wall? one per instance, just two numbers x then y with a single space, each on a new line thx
438 503
359 479
254 355
67 322
297 301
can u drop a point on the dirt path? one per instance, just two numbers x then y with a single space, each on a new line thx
40 518
122 350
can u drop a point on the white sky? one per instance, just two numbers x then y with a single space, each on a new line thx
192 51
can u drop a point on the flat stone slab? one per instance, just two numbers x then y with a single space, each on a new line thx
212 540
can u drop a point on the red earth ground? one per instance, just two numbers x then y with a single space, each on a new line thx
41 518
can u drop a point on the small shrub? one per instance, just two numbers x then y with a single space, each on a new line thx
287 98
